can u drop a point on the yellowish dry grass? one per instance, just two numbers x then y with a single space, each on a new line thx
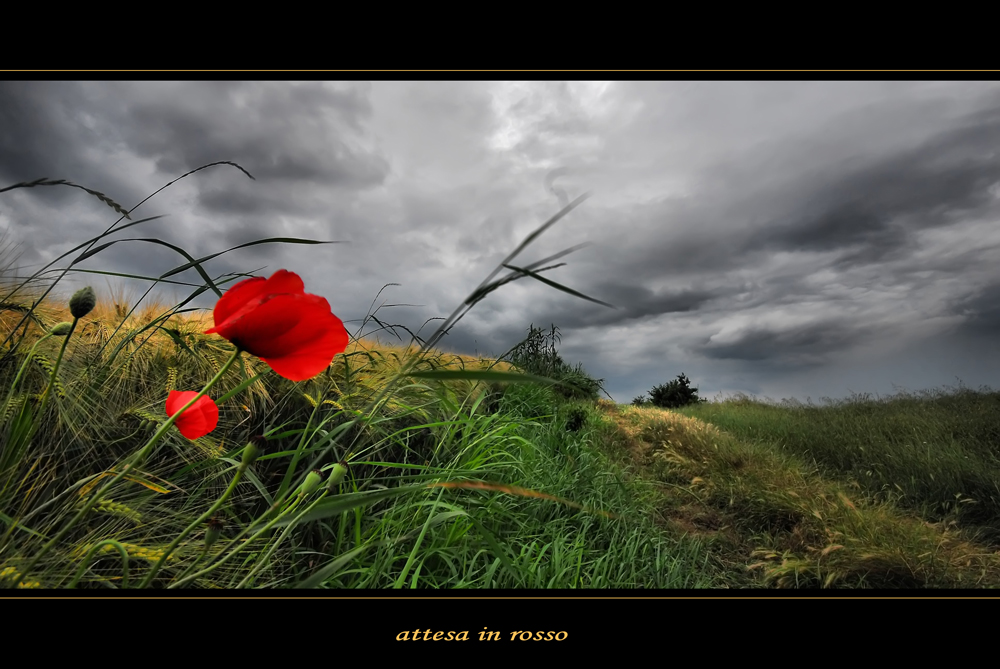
796 527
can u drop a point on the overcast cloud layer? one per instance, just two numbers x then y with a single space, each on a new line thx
782 239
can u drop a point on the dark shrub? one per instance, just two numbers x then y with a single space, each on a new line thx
676 393
536 354
575 420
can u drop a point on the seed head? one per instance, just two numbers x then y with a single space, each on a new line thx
336 476
253 450
82 302
212 533
312 482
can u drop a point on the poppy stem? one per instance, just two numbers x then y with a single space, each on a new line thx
55 369
286 482
215 565
133 462
190 528
263 560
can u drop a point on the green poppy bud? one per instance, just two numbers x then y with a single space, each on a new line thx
61 329
253 450
213 532
82 302
313 480
336 476
149 426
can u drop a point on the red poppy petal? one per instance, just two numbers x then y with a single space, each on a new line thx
177 399
276 324
301 319
200 419
234 299
284 281
246 292
311 358
315 326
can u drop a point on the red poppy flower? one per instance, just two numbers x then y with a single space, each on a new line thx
291 330
200 419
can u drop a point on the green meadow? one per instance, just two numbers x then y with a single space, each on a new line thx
403 465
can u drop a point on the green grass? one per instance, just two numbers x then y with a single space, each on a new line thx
749 475
937 453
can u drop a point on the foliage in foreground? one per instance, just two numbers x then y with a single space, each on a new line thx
385 470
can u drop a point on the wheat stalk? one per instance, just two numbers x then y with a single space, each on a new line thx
62 182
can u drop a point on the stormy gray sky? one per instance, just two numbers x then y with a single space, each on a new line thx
781 239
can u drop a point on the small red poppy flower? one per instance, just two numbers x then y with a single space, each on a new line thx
200 419
291 330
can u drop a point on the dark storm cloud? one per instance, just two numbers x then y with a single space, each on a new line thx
809 344
865 211
869 208
879 204
50 130
632 302
981 311
296 133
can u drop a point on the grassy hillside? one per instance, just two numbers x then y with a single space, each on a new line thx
836 496
112 382
410 467
900 492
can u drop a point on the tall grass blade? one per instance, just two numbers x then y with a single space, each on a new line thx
557 285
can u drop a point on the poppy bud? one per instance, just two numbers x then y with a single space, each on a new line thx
253 450
213 531
336 476
82 302
312 482
61 329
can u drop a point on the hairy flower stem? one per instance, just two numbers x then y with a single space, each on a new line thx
286 482
212 567
262 561
190 528
134 461
197 561
55 370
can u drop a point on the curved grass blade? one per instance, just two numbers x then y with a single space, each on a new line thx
498 550
126 276
62 182
76 248
152 240
111 229
558 285
16 525
347 502
269 240
142 478
335 565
